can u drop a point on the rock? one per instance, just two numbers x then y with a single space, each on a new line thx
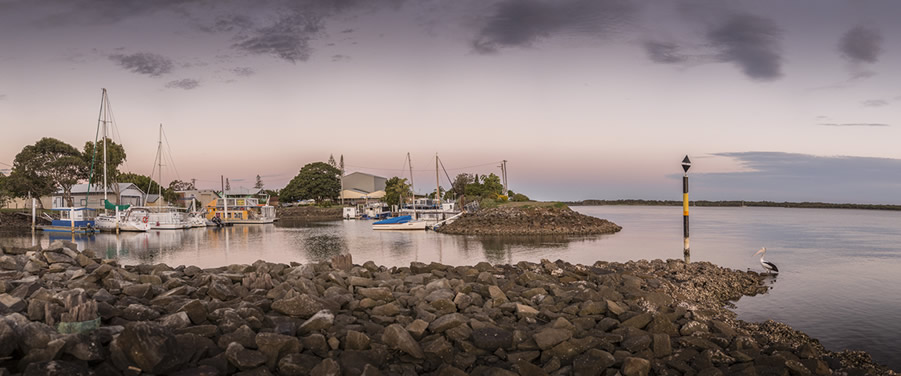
327 367
615 308
148 346
8 339
316 343
446 322
376 293
319 321
137 312
417 328
176 320
491 339
639 321
196 311
56 368
242 358
243 336
11 303
636 343
297 364
661 345
143 291
301 305
275 346
593 362
633 366
497 295
396 337
525 311
357 341
692 327
549 337
390 309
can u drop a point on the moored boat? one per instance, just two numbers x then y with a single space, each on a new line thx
404 222
72 220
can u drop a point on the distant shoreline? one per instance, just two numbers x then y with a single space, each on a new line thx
770 204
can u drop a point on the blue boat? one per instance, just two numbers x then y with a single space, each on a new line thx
404 222
73 221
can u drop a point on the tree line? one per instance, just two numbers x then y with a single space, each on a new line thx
738 203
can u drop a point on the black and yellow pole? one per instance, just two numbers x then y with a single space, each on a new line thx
686 164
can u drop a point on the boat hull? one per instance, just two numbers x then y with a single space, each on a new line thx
70 230
412 225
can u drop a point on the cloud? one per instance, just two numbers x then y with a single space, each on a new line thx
778 176
244 71
144 63
752 43
521 23
228 23
339 57
855 125
861 45
347 31
664 52
288 38
875 103
185 83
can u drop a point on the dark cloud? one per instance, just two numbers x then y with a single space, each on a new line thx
228 23
144 63
664 52
244 71
288 38
94 12
752 43
855 125
875 103
521 23
861 45
185 83
780 176
347 31
339 57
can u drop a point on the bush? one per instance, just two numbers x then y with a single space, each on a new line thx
487 203
560 205
519 197
501 198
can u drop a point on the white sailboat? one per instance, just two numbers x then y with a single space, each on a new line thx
405 222
123 219
164 217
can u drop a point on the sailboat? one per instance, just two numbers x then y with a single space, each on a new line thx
124 218
164 217
404 222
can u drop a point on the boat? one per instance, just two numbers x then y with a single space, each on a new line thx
165 217
404 222
126 219
72 220
245 210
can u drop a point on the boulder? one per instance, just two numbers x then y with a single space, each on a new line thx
148 346
396 337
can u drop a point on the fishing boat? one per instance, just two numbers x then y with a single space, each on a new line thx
72 220
404 222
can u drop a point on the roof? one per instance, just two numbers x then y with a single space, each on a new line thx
83 188
365 174
152 197
241 191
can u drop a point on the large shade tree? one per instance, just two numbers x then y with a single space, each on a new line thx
46 167
94 160
317 181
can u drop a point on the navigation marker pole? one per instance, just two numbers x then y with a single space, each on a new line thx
686 164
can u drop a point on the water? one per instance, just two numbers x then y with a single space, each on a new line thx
840 268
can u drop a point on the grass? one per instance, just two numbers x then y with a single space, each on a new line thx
534 204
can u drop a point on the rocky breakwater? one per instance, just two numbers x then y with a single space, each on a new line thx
550 318
529 220
309 213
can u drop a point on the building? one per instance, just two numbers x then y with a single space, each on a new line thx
129 194
362 186
203 197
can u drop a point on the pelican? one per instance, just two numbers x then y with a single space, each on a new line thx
769 266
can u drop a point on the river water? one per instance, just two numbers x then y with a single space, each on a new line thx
839 280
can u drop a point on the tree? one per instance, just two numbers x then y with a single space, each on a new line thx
45 167
259 184
331 161
4 192
228 185
395 188
460 182
178 185
432 194
492 186
115 156
318 181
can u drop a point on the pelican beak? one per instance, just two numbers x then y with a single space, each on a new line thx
760 251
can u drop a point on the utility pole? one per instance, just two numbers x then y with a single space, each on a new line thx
224 198
506 189
686 164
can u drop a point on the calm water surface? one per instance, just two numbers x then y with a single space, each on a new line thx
840 268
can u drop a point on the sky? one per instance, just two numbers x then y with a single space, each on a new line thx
771 100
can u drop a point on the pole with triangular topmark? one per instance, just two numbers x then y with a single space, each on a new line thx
686 164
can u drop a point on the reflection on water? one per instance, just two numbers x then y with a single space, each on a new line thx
839 267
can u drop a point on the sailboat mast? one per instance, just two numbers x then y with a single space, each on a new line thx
412 190
437 182
159 152
105 104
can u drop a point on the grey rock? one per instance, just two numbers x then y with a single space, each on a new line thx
242 358
302 305
8 339
396 337
327 367
275 346
593 362
550 337
323 319
446 322
491 339
176 320
356 341
376 293
633 366
12 303
148 346
243 336
297 364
